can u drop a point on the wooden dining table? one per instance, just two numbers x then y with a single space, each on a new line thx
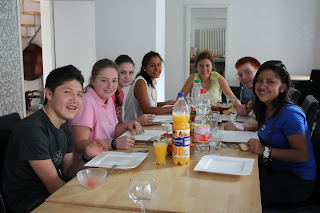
179 188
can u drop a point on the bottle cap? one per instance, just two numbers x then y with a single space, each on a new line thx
197 81
203 91
181 95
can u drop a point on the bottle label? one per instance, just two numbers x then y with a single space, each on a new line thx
193 114
181 143
201 134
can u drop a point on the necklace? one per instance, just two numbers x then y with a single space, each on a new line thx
266 120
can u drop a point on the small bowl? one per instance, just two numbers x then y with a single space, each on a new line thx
169 149
92 178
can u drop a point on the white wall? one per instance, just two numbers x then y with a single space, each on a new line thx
130 27
286 30
75 35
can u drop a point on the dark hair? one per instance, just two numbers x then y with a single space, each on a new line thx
60 75
254 62
280 70
146 58
121 59
205 55
98 66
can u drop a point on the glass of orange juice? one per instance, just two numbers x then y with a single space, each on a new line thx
160 147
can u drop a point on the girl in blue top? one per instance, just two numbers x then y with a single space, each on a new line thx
284 139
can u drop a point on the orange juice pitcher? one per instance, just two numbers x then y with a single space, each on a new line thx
181 132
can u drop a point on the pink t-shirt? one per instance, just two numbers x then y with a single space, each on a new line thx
118 108
99 117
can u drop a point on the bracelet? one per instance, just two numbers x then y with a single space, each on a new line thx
84 159
114 144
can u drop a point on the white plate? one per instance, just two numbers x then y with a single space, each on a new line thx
230 117
238 136
147 135
225 165
163 119
124 160
243 119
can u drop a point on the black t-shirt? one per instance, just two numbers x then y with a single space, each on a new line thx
35 138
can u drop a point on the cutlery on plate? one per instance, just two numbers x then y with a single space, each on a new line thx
143 151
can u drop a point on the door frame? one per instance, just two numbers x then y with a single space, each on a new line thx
188 31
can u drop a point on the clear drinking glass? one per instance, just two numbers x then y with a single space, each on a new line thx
215 142
160 148
142 189
214 118
230 100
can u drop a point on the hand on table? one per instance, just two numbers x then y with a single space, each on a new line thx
146 119
135 125
125 142
95 148
242 110
255 146
232 125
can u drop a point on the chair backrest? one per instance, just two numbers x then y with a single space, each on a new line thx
315 139
310 106
294 94
2 205
7 125
237 91
304 87
315 86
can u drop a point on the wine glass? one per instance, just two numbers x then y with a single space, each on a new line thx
142 189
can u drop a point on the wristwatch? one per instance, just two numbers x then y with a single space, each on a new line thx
266 152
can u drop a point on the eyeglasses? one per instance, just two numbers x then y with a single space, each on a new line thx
246 73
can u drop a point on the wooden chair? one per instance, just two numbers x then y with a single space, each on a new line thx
294 95
7 125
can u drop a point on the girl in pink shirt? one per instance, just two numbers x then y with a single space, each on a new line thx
96 120
126 74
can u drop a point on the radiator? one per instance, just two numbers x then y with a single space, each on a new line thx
213 40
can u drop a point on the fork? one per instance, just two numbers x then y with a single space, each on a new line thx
143 151
112 168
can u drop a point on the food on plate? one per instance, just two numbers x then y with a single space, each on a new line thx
134 132
226 112
223 106
244 147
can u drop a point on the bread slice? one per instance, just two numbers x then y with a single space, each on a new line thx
244 147
226 112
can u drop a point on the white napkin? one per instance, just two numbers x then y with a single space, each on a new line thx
163 119
238 136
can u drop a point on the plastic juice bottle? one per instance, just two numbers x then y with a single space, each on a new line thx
181 132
